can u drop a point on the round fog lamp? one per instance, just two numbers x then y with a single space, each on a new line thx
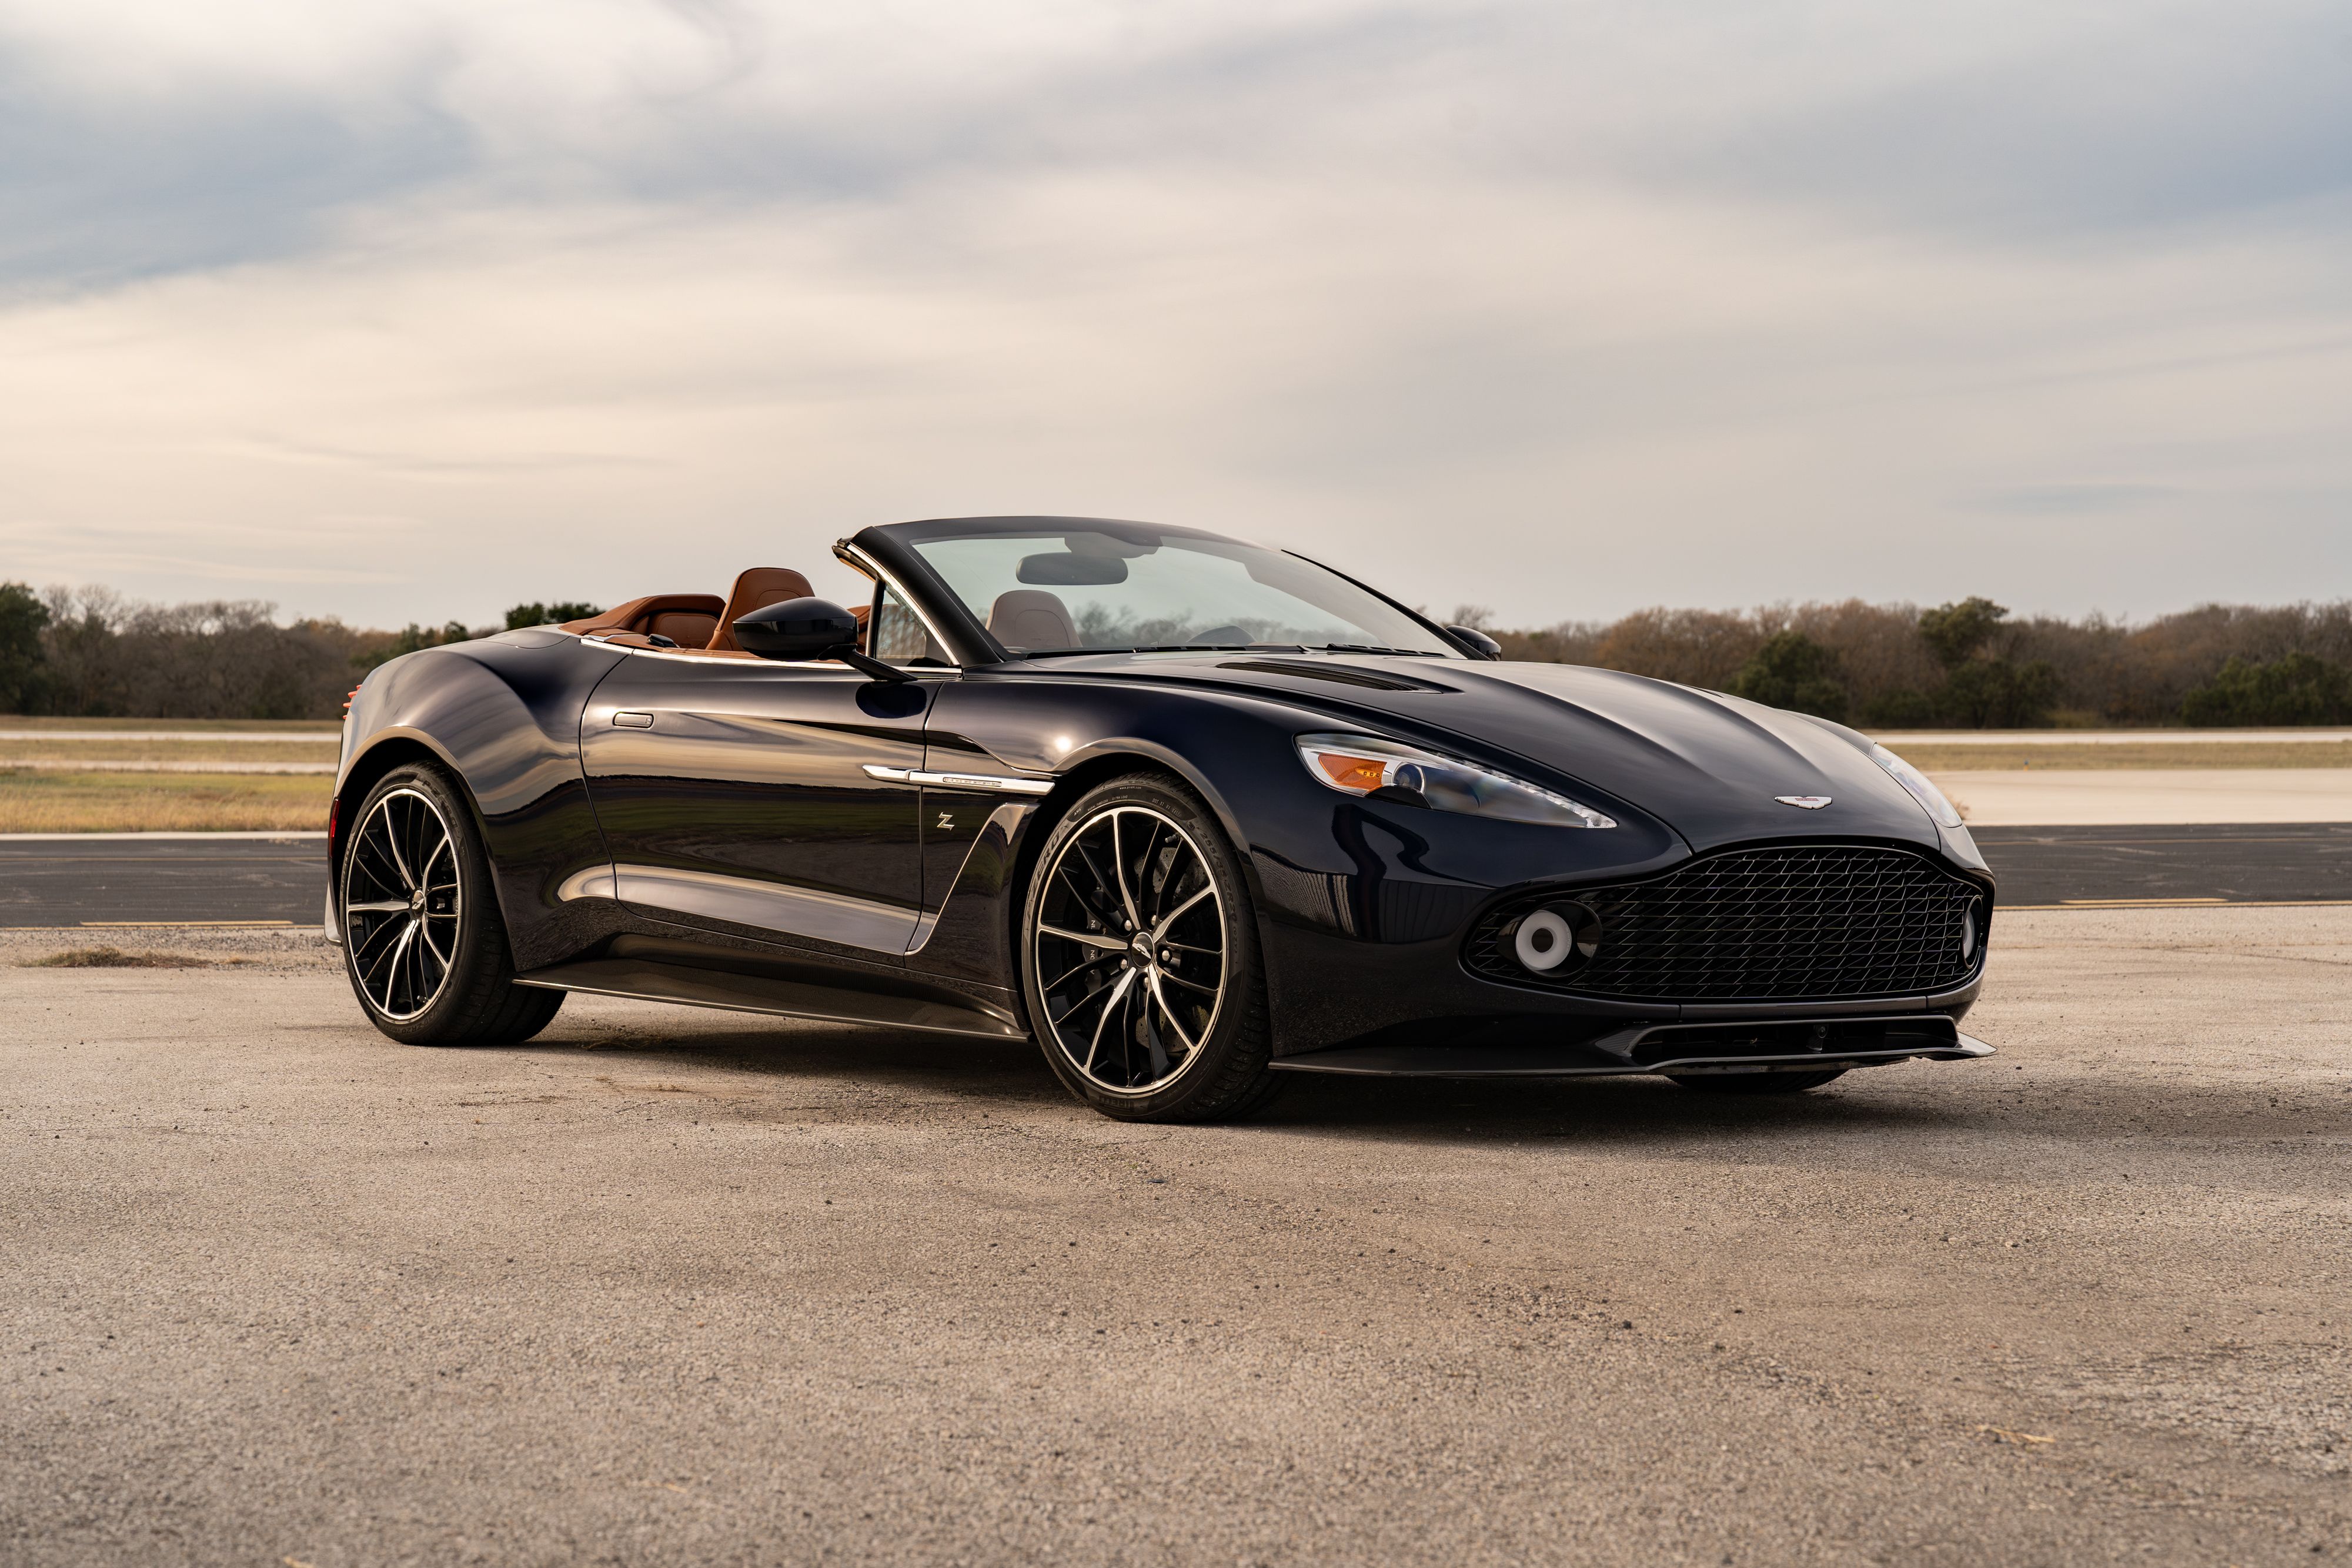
1543 942
1550 937
1968 932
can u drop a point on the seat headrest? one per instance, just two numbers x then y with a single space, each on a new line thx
756 589
1032 618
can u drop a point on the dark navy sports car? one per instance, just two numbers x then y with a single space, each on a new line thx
1189 812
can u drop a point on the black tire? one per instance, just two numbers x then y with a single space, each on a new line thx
1144 1064
1755 1082
393 957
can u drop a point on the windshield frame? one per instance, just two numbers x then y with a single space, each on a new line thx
969 642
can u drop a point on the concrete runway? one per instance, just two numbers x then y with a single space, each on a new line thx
2114 796
669 1287
55 881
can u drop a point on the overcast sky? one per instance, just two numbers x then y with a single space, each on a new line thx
409 309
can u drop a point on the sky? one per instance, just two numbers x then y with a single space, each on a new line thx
411 311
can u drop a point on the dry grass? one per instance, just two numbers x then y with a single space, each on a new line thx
161 802
1945 756
320 748
247 725
116 958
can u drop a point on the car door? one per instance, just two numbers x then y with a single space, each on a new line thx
734 794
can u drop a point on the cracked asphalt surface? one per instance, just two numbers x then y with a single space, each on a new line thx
676 1287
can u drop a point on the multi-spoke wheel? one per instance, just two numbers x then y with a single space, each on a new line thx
1140 958
423 941
402 902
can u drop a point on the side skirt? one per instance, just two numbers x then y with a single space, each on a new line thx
657 982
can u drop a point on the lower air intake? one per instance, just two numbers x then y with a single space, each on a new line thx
1797 924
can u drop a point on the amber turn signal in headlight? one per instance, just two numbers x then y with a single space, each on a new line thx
1367 765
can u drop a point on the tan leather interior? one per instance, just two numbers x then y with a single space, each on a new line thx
700 622
641 615
686 628
756 589
1032 618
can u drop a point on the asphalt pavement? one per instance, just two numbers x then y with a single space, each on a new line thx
2237 863
152 879
63 881
667 1287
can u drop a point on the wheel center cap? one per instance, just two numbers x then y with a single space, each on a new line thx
1139 951
417 901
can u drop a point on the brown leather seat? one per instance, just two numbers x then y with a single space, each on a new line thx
1032 618
645 614
686 628
756 589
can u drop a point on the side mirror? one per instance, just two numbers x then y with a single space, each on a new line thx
1470 637
810 629
797 628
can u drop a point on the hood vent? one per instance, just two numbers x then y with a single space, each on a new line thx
1341 674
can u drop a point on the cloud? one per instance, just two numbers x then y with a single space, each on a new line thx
1558 307
2074 498
140 135
2071 121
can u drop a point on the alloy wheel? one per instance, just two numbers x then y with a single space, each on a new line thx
1129 950
402 899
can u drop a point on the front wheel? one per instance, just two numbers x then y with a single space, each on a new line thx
1140 958
423 941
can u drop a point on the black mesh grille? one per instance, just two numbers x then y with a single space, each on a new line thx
1773 925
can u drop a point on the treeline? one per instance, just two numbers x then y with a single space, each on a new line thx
1969 664
88 652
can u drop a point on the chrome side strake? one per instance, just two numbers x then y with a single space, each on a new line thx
999 782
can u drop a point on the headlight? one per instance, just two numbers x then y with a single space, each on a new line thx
1362 764
1911 778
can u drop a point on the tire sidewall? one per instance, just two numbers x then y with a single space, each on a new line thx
1239 1033
480 941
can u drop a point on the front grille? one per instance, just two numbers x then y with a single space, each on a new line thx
1800 923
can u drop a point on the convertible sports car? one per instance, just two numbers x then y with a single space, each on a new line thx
1191 813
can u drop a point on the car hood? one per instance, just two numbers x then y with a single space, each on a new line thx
1712 767
1708 765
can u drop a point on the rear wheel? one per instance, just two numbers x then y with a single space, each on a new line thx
1755 1082
423 945
1140 958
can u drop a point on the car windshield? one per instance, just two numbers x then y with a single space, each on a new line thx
1076 588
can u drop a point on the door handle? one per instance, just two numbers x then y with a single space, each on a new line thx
628 720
